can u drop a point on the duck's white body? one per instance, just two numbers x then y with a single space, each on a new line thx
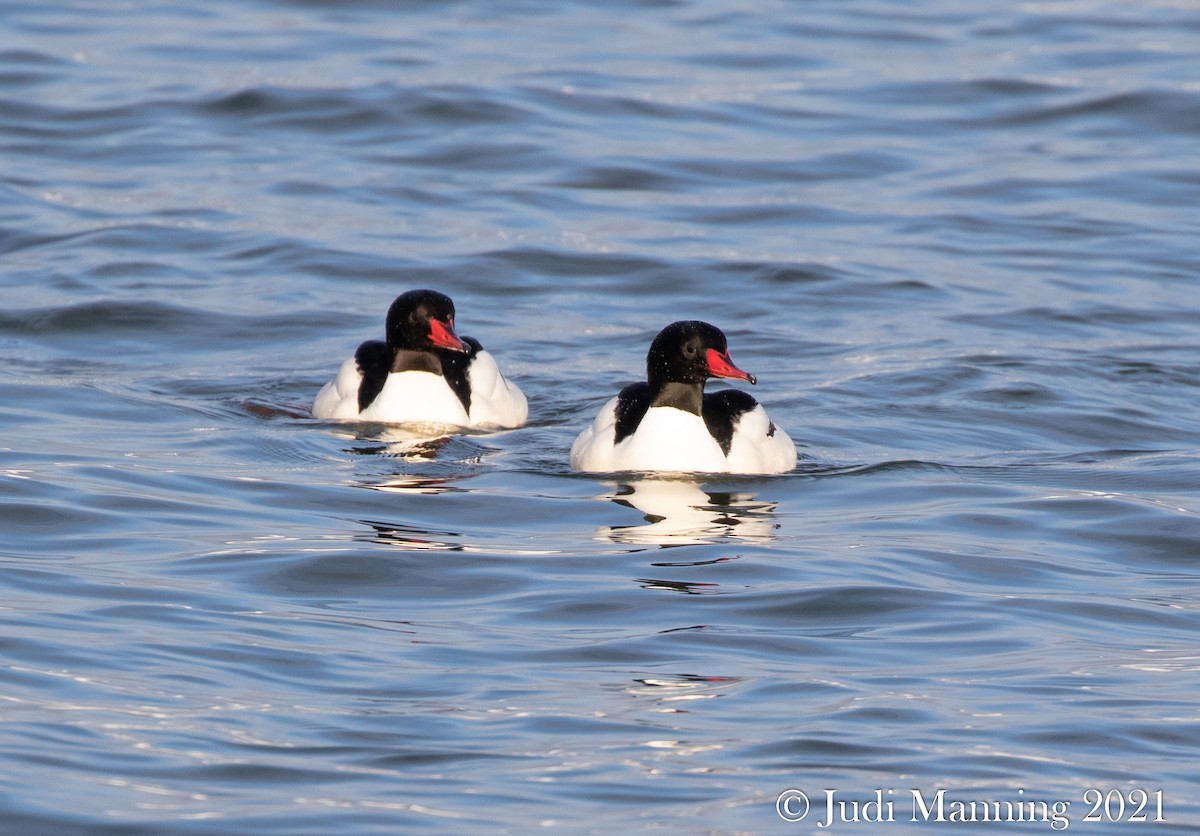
666 439
760 445
670 439
418 397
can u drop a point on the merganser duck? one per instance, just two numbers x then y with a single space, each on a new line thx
668 424
423 374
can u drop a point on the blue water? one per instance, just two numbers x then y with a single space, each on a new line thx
955 241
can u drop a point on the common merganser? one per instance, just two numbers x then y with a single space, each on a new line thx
668 423
424 373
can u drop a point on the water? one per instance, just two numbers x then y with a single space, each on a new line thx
955 242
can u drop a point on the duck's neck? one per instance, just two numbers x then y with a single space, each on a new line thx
686 396
408 360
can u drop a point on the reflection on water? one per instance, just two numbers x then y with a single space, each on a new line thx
404 442
428 460
682 687
681 513
413 484
687 588
413 538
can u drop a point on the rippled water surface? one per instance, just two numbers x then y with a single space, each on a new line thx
957 243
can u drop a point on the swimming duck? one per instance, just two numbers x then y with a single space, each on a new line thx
668 423
424 373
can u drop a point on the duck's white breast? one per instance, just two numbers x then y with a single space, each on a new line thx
667 439
416 398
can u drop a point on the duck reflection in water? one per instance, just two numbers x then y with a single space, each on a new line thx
678 512
413 538
409 442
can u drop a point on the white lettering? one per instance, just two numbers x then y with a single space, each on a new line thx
940 809
927 811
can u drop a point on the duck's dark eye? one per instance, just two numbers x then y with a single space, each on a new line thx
690 348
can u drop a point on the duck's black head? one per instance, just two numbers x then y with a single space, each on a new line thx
690 352
422 320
